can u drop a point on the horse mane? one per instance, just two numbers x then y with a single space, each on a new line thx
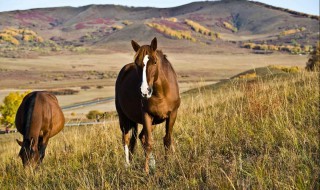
165 62
30 102
139 54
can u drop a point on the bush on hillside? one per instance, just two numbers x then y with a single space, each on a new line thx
199 28
313 63
94 114
171 32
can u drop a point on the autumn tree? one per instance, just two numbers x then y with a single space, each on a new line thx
10 106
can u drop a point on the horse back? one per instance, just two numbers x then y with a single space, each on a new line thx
39 112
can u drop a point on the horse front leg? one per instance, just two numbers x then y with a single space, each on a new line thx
147 141
125 141
133 140
167 139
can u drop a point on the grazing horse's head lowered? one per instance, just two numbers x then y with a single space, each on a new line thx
29 152
39 117
146 61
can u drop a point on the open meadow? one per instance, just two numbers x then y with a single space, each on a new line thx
93 70
248 79
239 134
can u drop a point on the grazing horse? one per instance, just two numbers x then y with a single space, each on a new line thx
147 93
38 118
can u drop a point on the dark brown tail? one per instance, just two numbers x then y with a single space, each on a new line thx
29 105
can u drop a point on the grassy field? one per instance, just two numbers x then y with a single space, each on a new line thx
75 71
259 133
90 69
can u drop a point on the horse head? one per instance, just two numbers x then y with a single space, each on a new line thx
146 61
29 152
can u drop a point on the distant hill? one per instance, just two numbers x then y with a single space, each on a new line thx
195 26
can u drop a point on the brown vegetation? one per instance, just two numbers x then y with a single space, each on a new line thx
64 92
294 49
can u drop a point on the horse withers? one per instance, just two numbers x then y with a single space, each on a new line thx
38 118
147 92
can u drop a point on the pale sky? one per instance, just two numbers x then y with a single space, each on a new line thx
305 6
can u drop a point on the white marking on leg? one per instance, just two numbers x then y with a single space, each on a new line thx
144 86
126 151
152 162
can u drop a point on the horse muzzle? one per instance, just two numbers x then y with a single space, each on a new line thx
146 93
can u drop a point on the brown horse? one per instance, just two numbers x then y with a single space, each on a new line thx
38 118
147 93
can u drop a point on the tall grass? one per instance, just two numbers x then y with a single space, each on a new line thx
255 134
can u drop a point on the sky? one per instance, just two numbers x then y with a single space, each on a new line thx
305 6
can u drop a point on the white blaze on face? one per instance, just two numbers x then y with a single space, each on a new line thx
126 151
144 86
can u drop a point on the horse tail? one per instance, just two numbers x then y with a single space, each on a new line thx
29 105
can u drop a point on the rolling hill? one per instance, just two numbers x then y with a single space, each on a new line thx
216 25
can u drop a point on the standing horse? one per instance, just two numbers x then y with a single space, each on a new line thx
38 118
147 93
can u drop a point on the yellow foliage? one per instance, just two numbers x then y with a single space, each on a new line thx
172 19
248 45
199 28
29 32
230 27
12 35
27 38
248 76
126 22
287 69
291 31
10 31
117 27
39 39
10 106
171 32
9 38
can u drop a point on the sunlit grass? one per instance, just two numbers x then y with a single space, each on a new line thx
255 134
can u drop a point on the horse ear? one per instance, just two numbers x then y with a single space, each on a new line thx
19 142
154 44
135 45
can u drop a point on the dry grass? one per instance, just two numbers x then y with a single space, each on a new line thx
260 134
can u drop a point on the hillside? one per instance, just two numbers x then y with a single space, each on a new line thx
242 134
216 25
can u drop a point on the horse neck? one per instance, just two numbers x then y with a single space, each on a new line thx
162 83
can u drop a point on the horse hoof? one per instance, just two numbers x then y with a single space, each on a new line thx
152 163
127 165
